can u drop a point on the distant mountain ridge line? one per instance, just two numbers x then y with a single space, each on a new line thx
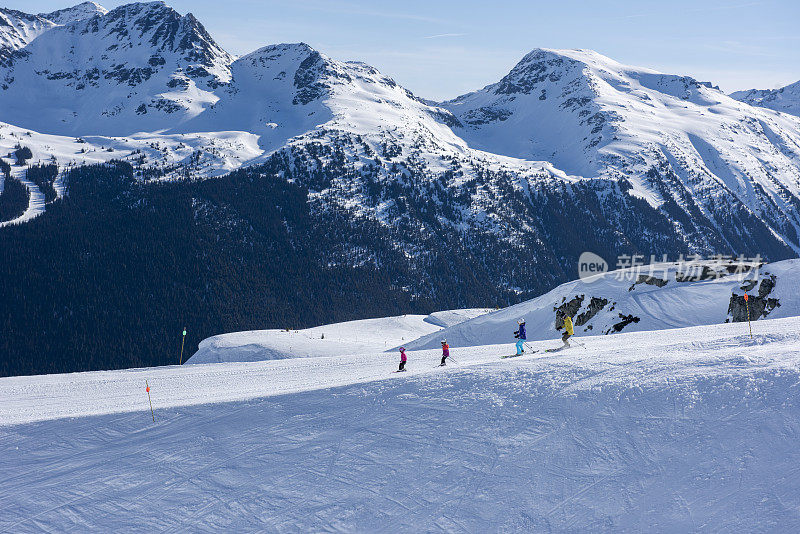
716 167
332 180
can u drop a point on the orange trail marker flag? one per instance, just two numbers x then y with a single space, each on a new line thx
147 389
747 303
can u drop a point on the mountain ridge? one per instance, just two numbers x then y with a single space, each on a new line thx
403 198
784 99
139 67
559 117
82 11
18 29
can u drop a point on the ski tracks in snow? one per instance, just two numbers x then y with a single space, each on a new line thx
36 204
629 435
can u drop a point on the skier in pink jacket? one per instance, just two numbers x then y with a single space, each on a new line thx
445 352
403 359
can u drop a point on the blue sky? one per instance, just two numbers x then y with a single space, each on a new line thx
440 49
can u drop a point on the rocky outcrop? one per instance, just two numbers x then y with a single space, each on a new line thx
567 308
649 280
757 306
570 308
626 320
696 275
595 305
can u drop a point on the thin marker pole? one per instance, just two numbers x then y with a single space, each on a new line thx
747 303
182 342
147 389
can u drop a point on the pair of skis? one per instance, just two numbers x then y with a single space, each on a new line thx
523 353
556 349
440 365
520 354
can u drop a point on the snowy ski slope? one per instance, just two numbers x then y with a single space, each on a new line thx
604 300
36 204
351 337
692 429
675 304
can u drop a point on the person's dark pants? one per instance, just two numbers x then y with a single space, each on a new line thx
565 337
443 360
402 366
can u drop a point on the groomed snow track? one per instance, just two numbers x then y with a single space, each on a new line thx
683 430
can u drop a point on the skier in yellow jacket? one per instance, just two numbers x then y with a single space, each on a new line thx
568 330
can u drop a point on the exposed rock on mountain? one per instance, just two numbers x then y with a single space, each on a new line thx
140 67
785 99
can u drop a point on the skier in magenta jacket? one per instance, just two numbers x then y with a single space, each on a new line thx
445 352
403 359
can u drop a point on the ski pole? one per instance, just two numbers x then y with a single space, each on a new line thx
580 344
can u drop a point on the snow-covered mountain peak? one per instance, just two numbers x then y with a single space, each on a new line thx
281 51
592 116
543 63
161 28
586 69
139 67
313 74
546 108
17 29
82 11
286 91
785 99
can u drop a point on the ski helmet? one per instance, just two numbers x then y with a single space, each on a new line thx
521 321
444 341
402 349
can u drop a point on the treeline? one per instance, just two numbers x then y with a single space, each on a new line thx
23 154
15 196
44 176
110 274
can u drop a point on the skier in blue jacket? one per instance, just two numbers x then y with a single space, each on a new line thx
520 335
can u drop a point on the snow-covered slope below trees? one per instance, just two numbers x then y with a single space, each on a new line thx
686 429
652 297
785 99
352 337
657 297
